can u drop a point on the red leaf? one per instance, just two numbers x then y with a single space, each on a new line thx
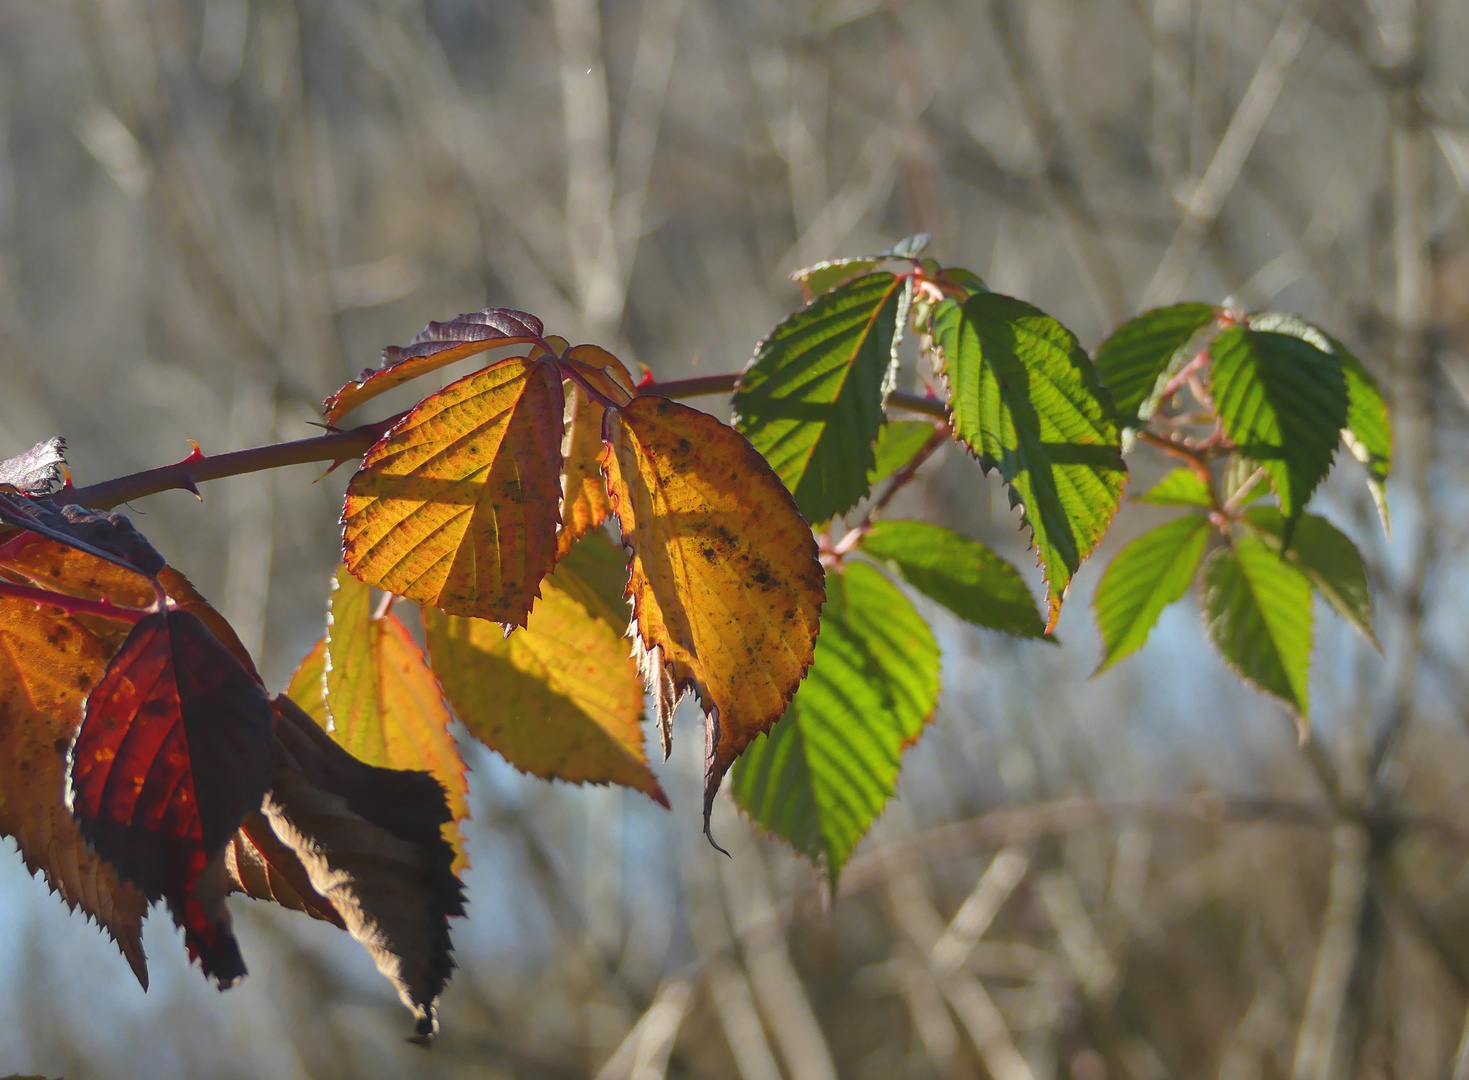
173 751
438 344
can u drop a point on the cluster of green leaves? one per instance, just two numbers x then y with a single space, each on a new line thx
1252 405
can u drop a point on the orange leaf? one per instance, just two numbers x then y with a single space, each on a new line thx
368 684
726 583
457 506
438 344
584 503
560 699
48 664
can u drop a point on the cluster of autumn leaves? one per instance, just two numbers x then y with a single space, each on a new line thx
141 758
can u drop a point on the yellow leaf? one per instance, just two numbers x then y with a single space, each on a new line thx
376 696
726 583
560 699
456 507
584 503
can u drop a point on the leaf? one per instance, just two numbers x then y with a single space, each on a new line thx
172 753
41 470
1257 609
436 345
375 693
824 773
1181 487
726 583
962 574
897 442
259 865
827 275
584 503
456 506
101 533
811 398
1137 359
1368 430
1283 402
48 663
371 842
187 598
1143 578
562 698
1024 398
1325 555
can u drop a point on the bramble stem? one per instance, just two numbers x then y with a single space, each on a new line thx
194 469
72 605
341 446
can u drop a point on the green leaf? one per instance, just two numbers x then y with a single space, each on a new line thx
1283 402
1257 608
1368 431
826 770
811 399
1144 578
1137 359
962 574
827 275
1329 558
1181 487
897 442
1024 398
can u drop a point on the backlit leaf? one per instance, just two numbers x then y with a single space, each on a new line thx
1368 431
1142 579
824 773
371 842
1328 557
456 507
811 400
897 442
1283 402
436 345
1025 399
584 503
380 699
561 699
259 865
827 275
726 583
41 470
1181 487
1137 359
101 533
172 754
48 663
1257 608
962 574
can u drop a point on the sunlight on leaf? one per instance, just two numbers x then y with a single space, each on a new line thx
561 699
1137 359
1329 558
824 773
1025 399
1181 487
1257 608
811 399
897 442
456 507
726 583
1142 579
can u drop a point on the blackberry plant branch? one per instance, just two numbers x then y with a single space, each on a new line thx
339 446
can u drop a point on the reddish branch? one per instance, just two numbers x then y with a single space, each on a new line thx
339 446
72 605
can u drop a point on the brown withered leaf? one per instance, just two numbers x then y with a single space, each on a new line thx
41 470
259 865
457 506
726 583
436 345
370 841
48 664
